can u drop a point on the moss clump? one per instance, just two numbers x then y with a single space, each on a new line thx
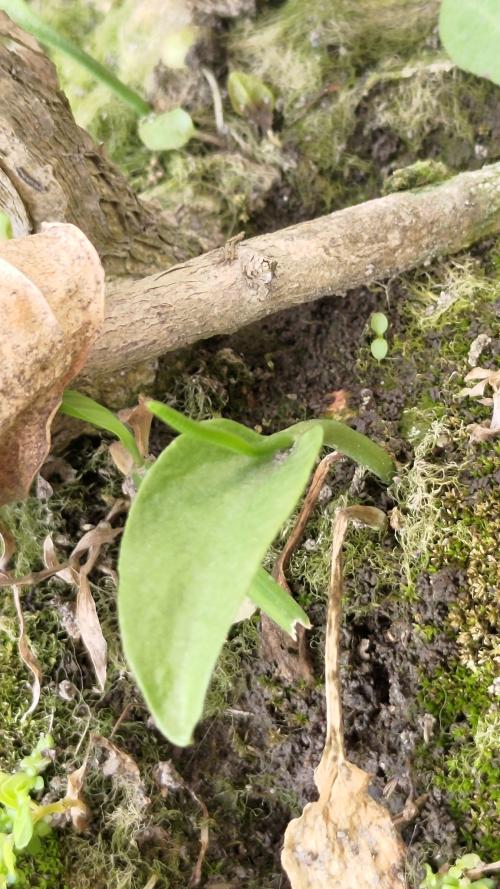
465 754
417 175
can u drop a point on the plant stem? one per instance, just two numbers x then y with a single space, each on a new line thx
23 15
215 435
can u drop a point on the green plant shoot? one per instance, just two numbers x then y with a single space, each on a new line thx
22 820
159 132
74 404
198 529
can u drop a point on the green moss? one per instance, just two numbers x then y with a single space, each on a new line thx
462 757
417 175
45 871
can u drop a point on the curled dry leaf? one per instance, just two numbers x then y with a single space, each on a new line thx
485 377
87 619
51 305
119 764
344 838
80 814
27 656
139 418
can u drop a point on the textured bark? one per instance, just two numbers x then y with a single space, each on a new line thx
62 176
218 293
157 298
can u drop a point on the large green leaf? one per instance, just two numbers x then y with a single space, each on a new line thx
196 534
470 34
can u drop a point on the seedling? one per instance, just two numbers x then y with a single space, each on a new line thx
456 876
198 529
23 822
379 325
159 132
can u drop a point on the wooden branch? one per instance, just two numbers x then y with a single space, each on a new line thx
159 299
60 175
221 291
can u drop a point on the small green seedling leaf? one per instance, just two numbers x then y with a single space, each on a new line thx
379 348
379 323
250 97
282 608
194 540
470 33
6 232
22 824
167 131
75 404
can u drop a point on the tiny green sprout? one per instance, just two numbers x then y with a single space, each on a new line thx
379 348
5 227
456 877
205 513
22 820
161 132
379 323
251 98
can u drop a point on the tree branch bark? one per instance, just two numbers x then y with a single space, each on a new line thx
217 294
158 298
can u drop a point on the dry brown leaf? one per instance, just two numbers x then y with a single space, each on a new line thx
80 814
118 763
90 628
51 305
86 617
27 656
139 419
122 458
293 659
344 838
484 431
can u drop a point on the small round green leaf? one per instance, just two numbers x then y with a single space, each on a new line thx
379 348
379 323
167 131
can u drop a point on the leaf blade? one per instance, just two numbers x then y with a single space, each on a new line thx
282 608
75 404
195 537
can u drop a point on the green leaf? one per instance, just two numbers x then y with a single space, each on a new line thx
196 535
469 861
351 443
74 404
379 348
22 825
271 598
470 33
167 131
250 97
379 323
6 232
238 438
